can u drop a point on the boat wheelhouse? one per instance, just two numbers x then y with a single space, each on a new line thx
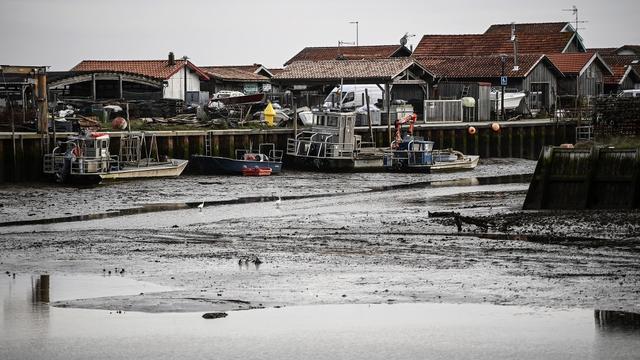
332 145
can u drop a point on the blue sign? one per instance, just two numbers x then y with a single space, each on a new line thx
503 80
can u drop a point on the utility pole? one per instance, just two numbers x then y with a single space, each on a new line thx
186 61
503 60
356 22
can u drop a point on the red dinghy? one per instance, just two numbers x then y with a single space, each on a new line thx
256 171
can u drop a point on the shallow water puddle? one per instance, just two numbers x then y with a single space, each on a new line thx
32 329
161 207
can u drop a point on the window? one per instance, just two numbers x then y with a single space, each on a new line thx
349 97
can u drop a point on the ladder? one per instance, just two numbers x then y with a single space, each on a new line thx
207 143
465 91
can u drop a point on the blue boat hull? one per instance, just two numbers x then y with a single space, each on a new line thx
215 165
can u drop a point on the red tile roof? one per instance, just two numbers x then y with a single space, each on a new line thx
157 69
573 63
276 71
334 70
620 64
536 28
235 73
491 44
603 51
489 66
348 53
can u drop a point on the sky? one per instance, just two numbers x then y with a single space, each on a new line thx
61 33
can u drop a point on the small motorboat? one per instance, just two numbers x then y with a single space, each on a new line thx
256 171
413 154
85 158
266 156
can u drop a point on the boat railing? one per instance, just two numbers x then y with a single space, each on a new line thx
320 149
84 165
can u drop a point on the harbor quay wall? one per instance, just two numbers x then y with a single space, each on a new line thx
520 139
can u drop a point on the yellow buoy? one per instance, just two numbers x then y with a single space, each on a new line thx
269 114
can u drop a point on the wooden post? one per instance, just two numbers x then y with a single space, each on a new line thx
216 145
521 134
231 151
510 142
366 97
120 92
387 97
93 87
295 120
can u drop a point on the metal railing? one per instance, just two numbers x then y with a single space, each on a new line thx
320 149
443 111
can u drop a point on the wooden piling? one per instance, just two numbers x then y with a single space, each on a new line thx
215 143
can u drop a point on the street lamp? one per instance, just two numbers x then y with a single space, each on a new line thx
503 60
355 22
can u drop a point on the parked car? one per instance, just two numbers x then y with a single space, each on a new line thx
352 96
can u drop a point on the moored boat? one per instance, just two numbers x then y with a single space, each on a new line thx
85 158
266 156
331 145
413 154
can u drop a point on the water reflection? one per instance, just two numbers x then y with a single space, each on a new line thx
611 321
40 289
33 329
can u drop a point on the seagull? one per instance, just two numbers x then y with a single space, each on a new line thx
201 206
279 201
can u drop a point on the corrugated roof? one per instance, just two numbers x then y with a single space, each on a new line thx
346 69
157 69
235 72
489 66
491 44
347 52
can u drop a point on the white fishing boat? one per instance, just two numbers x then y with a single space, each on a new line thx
85 158
512 100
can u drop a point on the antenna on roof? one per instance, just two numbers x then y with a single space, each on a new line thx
405 38
340 43
574 12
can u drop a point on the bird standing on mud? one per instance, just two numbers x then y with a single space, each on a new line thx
201 206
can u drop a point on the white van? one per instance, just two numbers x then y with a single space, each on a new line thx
353 96
630 93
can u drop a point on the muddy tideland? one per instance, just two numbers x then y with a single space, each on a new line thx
331 239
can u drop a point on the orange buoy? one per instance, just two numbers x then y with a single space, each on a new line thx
119 123
471 130
495 127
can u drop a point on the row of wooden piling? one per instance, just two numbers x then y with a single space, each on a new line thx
514 139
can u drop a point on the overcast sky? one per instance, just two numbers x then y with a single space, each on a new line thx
61 33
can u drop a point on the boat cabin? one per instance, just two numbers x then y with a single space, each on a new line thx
81 154
332 135
409 153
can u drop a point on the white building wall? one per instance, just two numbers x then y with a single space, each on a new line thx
175 84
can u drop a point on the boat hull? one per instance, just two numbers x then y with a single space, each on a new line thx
215 165
171 169
357 164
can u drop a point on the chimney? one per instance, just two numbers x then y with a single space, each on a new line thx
172 59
